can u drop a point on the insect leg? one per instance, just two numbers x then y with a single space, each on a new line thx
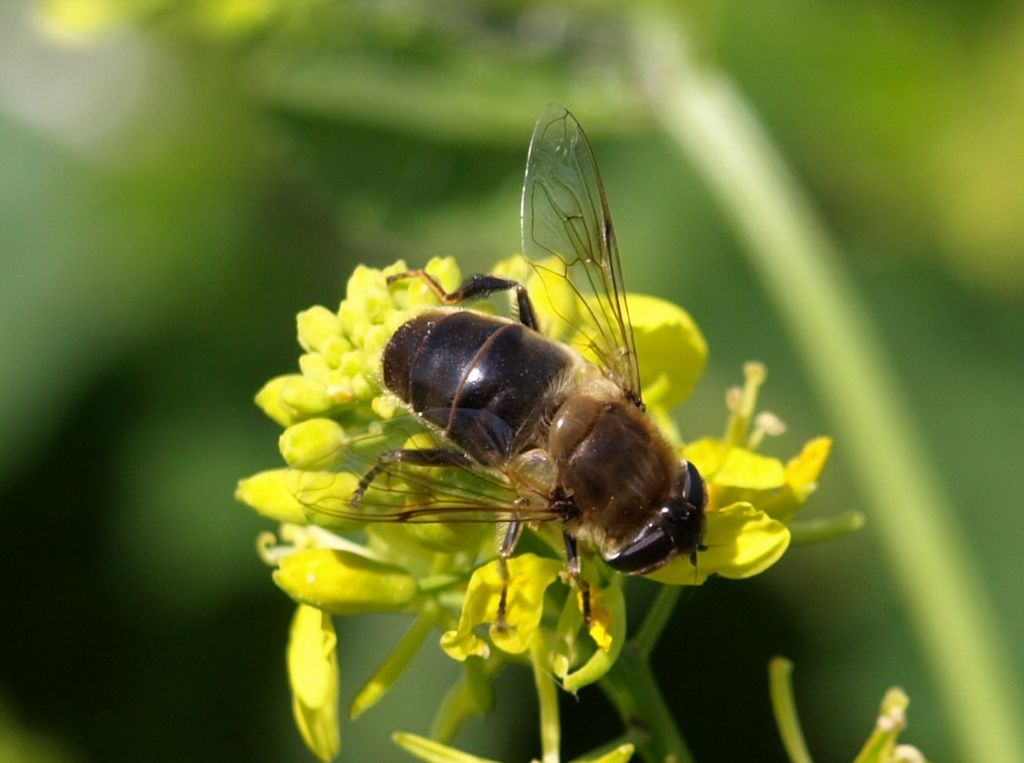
474 287
573 563
508 545
416 457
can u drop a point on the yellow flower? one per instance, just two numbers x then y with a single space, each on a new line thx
751 496
580 662
528 578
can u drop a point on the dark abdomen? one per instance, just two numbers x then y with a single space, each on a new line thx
484 381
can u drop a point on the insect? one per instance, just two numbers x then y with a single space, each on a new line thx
549 435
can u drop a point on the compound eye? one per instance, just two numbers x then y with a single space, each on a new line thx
652 549
694 490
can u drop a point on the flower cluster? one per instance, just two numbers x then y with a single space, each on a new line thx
446 575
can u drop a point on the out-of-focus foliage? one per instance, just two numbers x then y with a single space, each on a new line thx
180 178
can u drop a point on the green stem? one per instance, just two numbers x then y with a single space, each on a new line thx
807 531
803 274
463 700
395 664
656 619
547 700
633 690
780 685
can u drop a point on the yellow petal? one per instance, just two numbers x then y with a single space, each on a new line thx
313 676
742 541
670 347
607 629
707 455
742 468
528 578
802 471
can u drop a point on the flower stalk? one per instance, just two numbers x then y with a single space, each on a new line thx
633 690
780 686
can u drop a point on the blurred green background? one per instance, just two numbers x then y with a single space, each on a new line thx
177 180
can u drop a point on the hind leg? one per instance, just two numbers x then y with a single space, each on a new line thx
474 287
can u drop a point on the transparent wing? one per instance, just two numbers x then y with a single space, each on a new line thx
460 491
567 232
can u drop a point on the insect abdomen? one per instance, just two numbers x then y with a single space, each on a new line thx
484 381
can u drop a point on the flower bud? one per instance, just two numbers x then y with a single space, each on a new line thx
528 578
313 676
344 583
316 443
269 493
315 326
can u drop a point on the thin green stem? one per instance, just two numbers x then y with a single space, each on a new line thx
633 690
657 617
547 700
393 667
802 272
463 700
780 686
807 531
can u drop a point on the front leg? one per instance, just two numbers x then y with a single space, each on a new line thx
573 563
474 287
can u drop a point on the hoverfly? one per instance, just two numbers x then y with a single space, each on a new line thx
527 429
